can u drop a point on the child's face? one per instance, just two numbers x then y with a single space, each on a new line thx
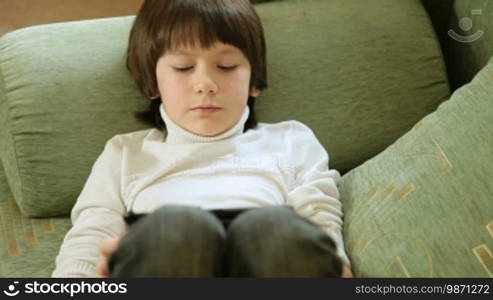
205 91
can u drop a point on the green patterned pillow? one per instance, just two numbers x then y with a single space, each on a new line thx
424 206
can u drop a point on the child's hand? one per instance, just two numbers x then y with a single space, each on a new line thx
107 247
346 271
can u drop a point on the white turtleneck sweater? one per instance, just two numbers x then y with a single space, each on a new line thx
273 164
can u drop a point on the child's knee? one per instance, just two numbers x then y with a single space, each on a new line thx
173 241
188 220
277 242
272 222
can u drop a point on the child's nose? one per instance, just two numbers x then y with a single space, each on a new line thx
205 84
206 88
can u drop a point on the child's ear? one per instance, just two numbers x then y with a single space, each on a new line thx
154 97
254 92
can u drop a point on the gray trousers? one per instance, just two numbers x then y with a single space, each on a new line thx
183 241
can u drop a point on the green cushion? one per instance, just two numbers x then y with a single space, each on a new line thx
359 80
27 246
424 206
67 91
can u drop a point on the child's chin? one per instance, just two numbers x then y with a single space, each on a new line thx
210 132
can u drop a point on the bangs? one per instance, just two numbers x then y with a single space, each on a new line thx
189 33
201 24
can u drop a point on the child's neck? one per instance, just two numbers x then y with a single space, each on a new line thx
178 135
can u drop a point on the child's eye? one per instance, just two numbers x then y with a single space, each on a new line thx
227 68
184 69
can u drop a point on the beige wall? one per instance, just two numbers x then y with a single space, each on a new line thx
21 13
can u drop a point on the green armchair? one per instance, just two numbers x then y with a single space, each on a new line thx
401 106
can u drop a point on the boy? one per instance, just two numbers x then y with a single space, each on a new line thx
202 64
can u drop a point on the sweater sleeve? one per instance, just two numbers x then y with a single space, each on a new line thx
314 194
97 215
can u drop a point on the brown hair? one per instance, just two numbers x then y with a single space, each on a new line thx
163 25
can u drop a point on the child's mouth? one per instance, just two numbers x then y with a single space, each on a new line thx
207 109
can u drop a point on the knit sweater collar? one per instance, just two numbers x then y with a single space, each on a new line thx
178 135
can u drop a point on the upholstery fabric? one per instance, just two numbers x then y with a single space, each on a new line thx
27 246
359 80
423 207
63 100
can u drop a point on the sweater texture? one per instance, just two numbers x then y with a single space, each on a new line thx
272 164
